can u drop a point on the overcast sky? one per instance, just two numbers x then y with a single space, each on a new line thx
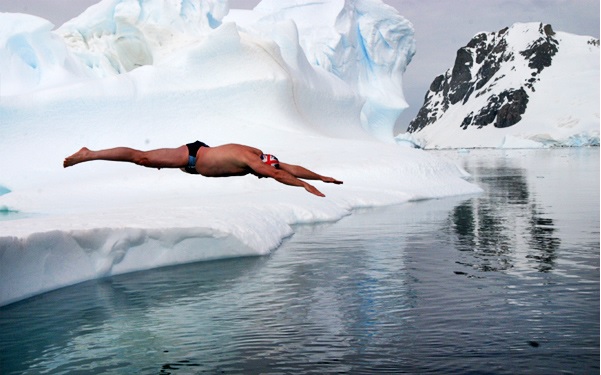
441 27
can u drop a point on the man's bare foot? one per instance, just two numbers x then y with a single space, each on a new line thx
78 157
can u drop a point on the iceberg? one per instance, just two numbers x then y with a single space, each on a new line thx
159 73
365 43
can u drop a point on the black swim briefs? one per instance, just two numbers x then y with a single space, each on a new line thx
192 151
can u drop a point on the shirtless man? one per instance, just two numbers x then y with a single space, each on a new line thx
198 158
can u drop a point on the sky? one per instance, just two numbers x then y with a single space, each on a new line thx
441 28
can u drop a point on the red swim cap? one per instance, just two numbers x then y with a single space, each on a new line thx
270 160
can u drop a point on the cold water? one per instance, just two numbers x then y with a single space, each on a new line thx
503 282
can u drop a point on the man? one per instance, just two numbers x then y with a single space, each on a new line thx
198 158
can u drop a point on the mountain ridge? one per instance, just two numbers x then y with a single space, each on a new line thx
493 80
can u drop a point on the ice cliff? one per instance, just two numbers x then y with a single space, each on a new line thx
523 86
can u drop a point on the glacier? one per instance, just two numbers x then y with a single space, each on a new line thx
322 91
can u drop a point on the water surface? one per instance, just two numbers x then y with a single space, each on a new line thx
502 282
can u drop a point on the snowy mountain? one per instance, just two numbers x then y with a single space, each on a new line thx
523 86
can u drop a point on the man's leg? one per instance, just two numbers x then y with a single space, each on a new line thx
160 158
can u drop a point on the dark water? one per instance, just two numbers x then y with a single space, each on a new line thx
499 283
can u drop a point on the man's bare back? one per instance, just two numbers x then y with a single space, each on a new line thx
220 161
226 160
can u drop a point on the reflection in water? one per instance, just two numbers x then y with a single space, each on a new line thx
499 226
544 242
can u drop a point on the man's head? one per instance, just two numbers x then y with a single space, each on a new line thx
270 160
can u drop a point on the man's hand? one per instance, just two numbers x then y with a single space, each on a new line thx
311 189
331 180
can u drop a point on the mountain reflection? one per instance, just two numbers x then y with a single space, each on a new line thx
504 226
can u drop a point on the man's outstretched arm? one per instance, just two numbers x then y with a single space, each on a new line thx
302 172
282 176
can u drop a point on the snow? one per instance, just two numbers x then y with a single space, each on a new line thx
563 110
164 73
